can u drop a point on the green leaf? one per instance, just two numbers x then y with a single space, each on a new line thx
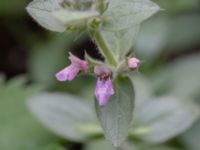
179 38
127 13
164 118
41 66
178 6
54 146
121 42
51 15
42 12
190 139
166 34
117 115
2 79
154 147
152 38
99 145
179 77
63 114
74 17
19 130
143 90
102 144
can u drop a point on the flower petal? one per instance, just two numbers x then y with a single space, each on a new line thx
68 73
104 90
81 64
101 70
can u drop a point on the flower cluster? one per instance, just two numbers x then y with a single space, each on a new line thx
104 86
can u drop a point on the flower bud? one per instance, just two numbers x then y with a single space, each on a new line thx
133 63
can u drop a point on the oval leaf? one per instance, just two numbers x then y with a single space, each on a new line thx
63 114
164 118
117 115
127 13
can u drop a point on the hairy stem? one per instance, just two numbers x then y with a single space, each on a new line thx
104 48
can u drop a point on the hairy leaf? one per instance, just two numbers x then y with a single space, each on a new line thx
117 115
19 130
127 13
63 114
163 118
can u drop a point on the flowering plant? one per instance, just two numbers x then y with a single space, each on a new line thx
112 25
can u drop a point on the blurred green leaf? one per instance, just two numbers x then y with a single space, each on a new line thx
19 131
191 138
102 144
152 38
180 77
12 8
179 37
167 34
127 13
116 116
142 86
45 60
41 63
152 147
63 114
178 5
99 145
164 118
2 80
54 146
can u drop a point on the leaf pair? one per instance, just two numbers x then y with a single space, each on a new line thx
69 116
156 120
120 21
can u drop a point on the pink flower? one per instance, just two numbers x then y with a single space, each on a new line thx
101 71
70 72
104 90
104 87
133 63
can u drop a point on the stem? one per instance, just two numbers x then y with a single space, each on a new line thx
104 48
127 146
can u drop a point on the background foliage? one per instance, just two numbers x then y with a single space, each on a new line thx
167 84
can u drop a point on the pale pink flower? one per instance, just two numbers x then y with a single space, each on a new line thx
104 87
133 63
81 64
70 72
101 71
104 90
